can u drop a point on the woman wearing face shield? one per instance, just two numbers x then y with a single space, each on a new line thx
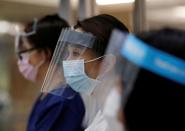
77 59
101 27
34 47
150 70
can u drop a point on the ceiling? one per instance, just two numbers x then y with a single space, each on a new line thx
159 12
166 13
20 11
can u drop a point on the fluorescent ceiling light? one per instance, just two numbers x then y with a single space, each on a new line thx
7 27
179 12
4 26
111 2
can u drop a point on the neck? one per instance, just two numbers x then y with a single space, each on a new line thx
41 74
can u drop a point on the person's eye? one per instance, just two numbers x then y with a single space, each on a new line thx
19 56
76 53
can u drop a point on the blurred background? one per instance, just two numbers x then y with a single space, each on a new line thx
16 94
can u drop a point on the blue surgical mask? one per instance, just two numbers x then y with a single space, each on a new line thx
74 73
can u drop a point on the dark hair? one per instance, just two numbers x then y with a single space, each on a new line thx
101 26
156 102
47 33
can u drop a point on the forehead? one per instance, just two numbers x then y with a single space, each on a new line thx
88 52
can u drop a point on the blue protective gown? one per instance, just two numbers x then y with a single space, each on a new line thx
57 113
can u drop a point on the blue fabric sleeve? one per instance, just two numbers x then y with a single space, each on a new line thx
55 113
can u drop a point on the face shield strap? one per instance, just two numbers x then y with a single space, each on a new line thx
154 60
20 33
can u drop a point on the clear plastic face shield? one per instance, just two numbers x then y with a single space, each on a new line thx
140 55
110 88
131 55
74 64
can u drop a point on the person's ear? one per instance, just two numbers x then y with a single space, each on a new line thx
107 64
48 55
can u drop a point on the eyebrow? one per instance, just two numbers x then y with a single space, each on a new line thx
26 50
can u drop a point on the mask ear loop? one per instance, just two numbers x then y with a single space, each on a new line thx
99 76
95 59
35 21
85 62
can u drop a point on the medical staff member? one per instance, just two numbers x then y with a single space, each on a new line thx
34 47
77 61
101 27
150 70
156 101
